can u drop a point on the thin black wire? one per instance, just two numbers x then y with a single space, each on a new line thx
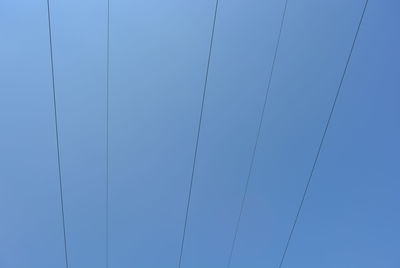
323 136
257 137
198 135
57 135
107 132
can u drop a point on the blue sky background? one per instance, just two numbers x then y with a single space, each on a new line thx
158 57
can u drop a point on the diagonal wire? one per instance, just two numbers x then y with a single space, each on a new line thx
323 136
257 138
107 132
57 135
198 134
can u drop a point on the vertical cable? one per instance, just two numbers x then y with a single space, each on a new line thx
198 135
257 137
56 132
107 131
323 137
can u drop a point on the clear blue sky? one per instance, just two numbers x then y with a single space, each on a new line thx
158 57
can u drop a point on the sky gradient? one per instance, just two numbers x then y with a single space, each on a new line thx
158 58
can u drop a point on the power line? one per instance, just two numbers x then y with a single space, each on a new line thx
107 132
198 134
323 136
57 135
257 138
